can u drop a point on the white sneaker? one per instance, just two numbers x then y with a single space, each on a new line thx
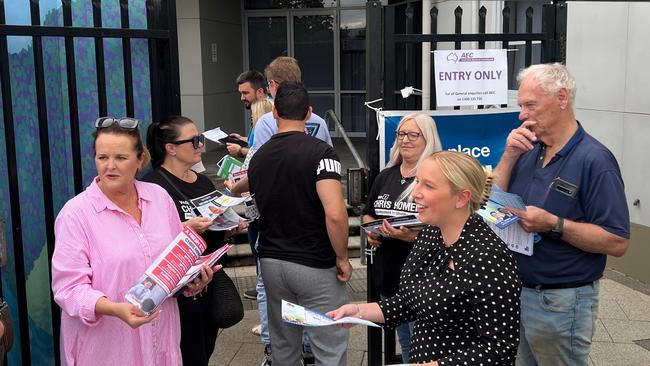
257 330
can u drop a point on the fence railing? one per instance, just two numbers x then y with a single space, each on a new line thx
391 37
26 234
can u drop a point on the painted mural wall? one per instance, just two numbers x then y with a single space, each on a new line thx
27 143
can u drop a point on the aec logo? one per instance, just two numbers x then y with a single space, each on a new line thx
466 57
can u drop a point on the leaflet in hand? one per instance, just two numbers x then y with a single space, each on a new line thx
215 203
296 314
494 212
174 268
228 220
517 239
215 134
410 221
238 175
228 166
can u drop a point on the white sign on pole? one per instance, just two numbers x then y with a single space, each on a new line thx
471 77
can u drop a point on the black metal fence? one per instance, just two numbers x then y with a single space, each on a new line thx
396 27
164 84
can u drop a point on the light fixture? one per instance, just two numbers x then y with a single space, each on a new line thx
408 91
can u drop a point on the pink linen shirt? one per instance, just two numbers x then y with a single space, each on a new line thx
100 250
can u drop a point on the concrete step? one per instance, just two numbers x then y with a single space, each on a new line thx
240 254
353 225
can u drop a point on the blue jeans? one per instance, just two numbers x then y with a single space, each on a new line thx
557 325
404 332
261 305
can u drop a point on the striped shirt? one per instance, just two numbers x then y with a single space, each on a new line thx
101 251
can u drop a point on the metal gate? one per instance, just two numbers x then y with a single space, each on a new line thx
61 68
395 27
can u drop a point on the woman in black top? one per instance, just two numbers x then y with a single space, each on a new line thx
416 138
460 283
175 146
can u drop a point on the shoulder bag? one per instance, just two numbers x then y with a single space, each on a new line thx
226 307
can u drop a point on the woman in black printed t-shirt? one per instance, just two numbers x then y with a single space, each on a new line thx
460 283
176 145
416 137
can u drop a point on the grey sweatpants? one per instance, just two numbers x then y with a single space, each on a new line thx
314 288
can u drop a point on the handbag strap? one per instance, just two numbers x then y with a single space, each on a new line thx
160 170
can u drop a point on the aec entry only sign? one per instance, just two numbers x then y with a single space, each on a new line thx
471 77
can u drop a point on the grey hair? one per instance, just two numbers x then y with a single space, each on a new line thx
429 130
552 78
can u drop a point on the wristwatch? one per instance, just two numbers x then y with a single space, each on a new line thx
558 229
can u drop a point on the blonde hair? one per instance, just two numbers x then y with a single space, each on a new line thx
551 77
427 126
429 131
283 68
259 108
465 173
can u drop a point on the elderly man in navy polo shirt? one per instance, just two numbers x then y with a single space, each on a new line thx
576 205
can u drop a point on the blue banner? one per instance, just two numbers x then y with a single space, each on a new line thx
479 133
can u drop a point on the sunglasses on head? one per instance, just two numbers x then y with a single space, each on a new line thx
197 141
126 123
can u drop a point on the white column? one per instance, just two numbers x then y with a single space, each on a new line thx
426 56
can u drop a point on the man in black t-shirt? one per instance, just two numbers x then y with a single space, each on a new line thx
295 179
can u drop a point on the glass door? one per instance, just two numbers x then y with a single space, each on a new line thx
267 39
313 44
310 36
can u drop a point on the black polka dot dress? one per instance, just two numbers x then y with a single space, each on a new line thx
465 316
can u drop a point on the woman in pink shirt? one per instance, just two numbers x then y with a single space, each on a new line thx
106 237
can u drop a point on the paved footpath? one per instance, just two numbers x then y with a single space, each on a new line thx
622 335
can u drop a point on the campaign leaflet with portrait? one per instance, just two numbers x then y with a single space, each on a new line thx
500 221
218 207
174 268
227 221
215 203
296 314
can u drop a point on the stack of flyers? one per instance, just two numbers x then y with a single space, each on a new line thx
215 203
494 211
410 221
228 166
174 268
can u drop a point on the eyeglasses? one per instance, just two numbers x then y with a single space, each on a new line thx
412 136
197 141
126 123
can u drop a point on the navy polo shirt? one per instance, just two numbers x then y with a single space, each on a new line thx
600 199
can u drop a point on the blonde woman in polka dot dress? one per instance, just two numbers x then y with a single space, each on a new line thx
460 283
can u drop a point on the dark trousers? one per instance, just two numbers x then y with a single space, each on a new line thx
198 337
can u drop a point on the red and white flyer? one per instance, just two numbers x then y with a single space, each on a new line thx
174 268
